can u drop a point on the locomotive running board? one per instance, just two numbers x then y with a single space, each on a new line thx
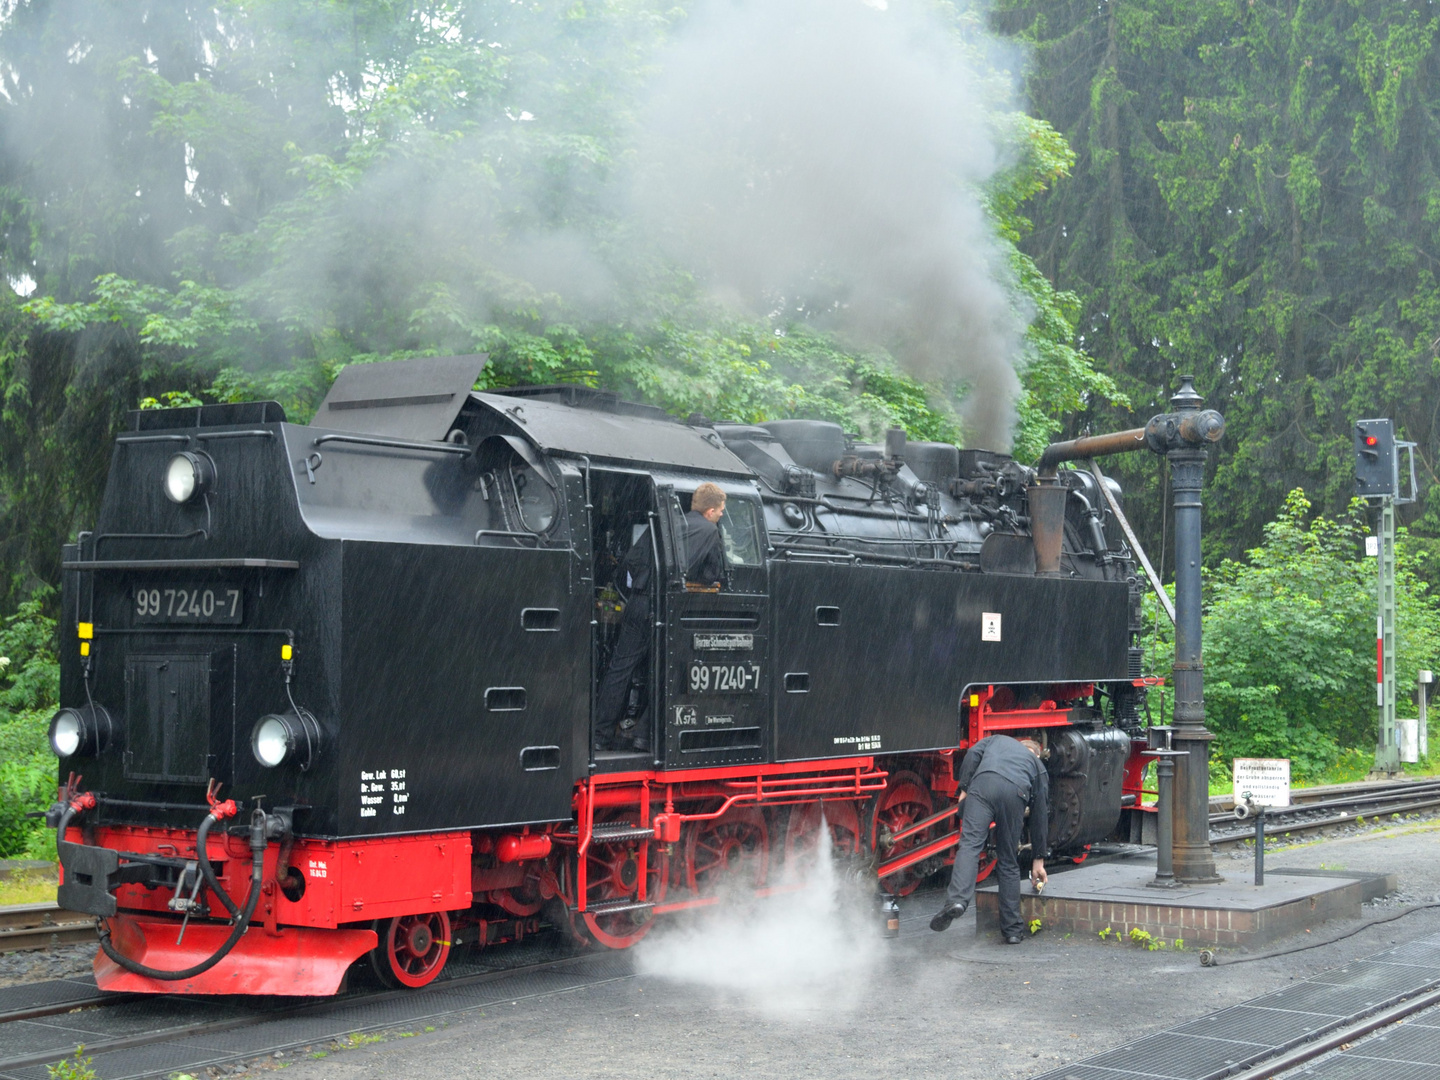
295 961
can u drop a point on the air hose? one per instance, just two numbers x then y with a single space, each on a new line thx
1210 958
241 917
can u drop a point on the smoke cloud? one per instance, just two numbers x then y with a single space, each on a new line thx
822 159
788 955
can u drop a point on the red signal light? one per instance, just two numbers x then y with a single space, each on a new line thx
1371 440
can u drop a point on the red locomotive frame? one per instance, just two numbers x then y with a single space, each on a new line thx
640 845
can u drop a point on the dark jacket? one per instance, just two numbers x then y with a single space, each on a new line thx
705 562
1006 758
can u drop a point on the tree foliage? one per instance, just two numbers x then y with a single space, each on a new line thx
236 200
1290 639
1255 199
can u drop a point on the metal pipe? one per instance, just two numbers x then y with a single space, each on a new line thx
1119 442
1260 845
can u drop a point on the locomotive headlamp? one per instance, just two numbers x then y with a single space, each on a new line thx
188 476
86 730
278 738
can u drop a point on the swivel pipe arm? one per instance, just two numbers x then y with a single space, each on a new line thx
1165 432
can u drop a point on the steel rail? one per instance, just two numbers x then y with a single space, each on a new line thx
1378 798
1338 1037
35 926
1239 837
182 1032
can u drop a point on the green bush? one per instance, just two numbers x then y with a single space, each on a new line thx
29 684
1290 641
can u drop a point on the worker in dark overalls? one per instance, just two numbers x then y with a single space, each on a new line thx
705 565
1000 778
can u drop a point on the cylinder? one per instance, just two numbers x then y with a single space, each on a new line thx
515 848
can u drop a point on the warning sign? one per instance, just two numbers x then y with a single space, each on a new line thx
1265 781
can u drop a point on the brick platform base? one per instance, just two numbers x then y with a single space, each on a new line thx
1233 913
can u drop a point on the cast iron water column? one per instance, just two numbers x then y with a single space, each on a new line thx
1184 437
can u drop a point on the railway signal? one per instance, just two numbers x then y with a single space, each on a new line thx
1377 476
1376 466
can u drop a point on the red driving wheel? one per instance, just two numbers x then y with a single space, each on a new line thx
904 801
412 950
734 848
802 833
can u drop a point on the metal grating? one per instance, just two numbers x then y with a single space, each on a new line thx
1330 999
1404 1043
1348 1068
1249 1023
1391 978
1212 1046
35 995
1184 1057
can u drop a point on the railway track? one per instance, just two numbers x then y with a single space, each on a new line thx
40 926
543 965
1317 809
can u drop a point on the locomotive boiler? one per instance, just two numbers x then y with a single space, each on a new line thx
327 689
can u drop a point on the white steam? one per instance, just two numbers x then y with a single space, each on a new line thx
823 159
789 954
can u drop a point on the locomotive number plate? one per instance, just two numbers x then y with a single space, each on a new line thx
724 678
188 604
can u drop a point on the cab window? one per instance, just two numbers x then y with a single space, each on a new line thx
740 533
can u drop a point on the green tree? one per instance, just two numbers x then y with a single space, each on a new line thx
1254 199
1290 640
234 201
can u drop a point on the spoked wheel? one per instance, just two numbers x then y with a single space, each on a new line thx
735 848
987 866
802 833
613 876
903 802
412 950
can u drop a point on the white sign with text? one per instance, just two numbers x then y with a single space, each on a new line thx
1265 781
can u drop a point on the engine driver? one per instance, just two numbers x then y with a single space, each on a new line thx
705 566
999 779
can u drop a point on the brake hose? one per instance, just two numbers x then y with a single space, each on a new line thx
242 917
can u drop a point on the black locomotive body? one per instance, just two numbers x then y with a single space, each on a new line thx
380 635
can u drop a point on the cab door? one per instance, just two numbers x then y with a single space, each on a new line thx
715 645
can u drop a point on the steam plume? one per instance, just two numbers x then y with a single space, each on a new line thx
823 157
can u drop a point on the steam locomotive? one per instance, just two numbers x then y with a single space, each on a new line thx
327 690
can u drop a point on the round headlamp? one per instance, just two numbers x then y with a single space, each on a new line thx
86 731
188 476
288 737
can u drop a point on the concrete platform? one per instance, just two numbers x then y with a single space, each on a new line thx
1232 913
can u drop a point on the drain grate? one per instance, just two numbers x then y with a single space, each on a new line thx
1213 1046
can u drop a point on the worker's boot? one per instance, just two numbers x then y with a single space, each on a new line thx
946 915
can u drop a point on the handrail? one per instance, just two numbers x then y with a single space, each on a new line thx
394 444
181 564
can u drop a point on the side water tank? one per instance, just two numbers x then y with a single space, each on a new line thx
814 444
933 462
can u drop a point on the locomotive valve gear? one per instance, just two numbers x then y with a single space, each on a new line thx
1000 779
706 566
